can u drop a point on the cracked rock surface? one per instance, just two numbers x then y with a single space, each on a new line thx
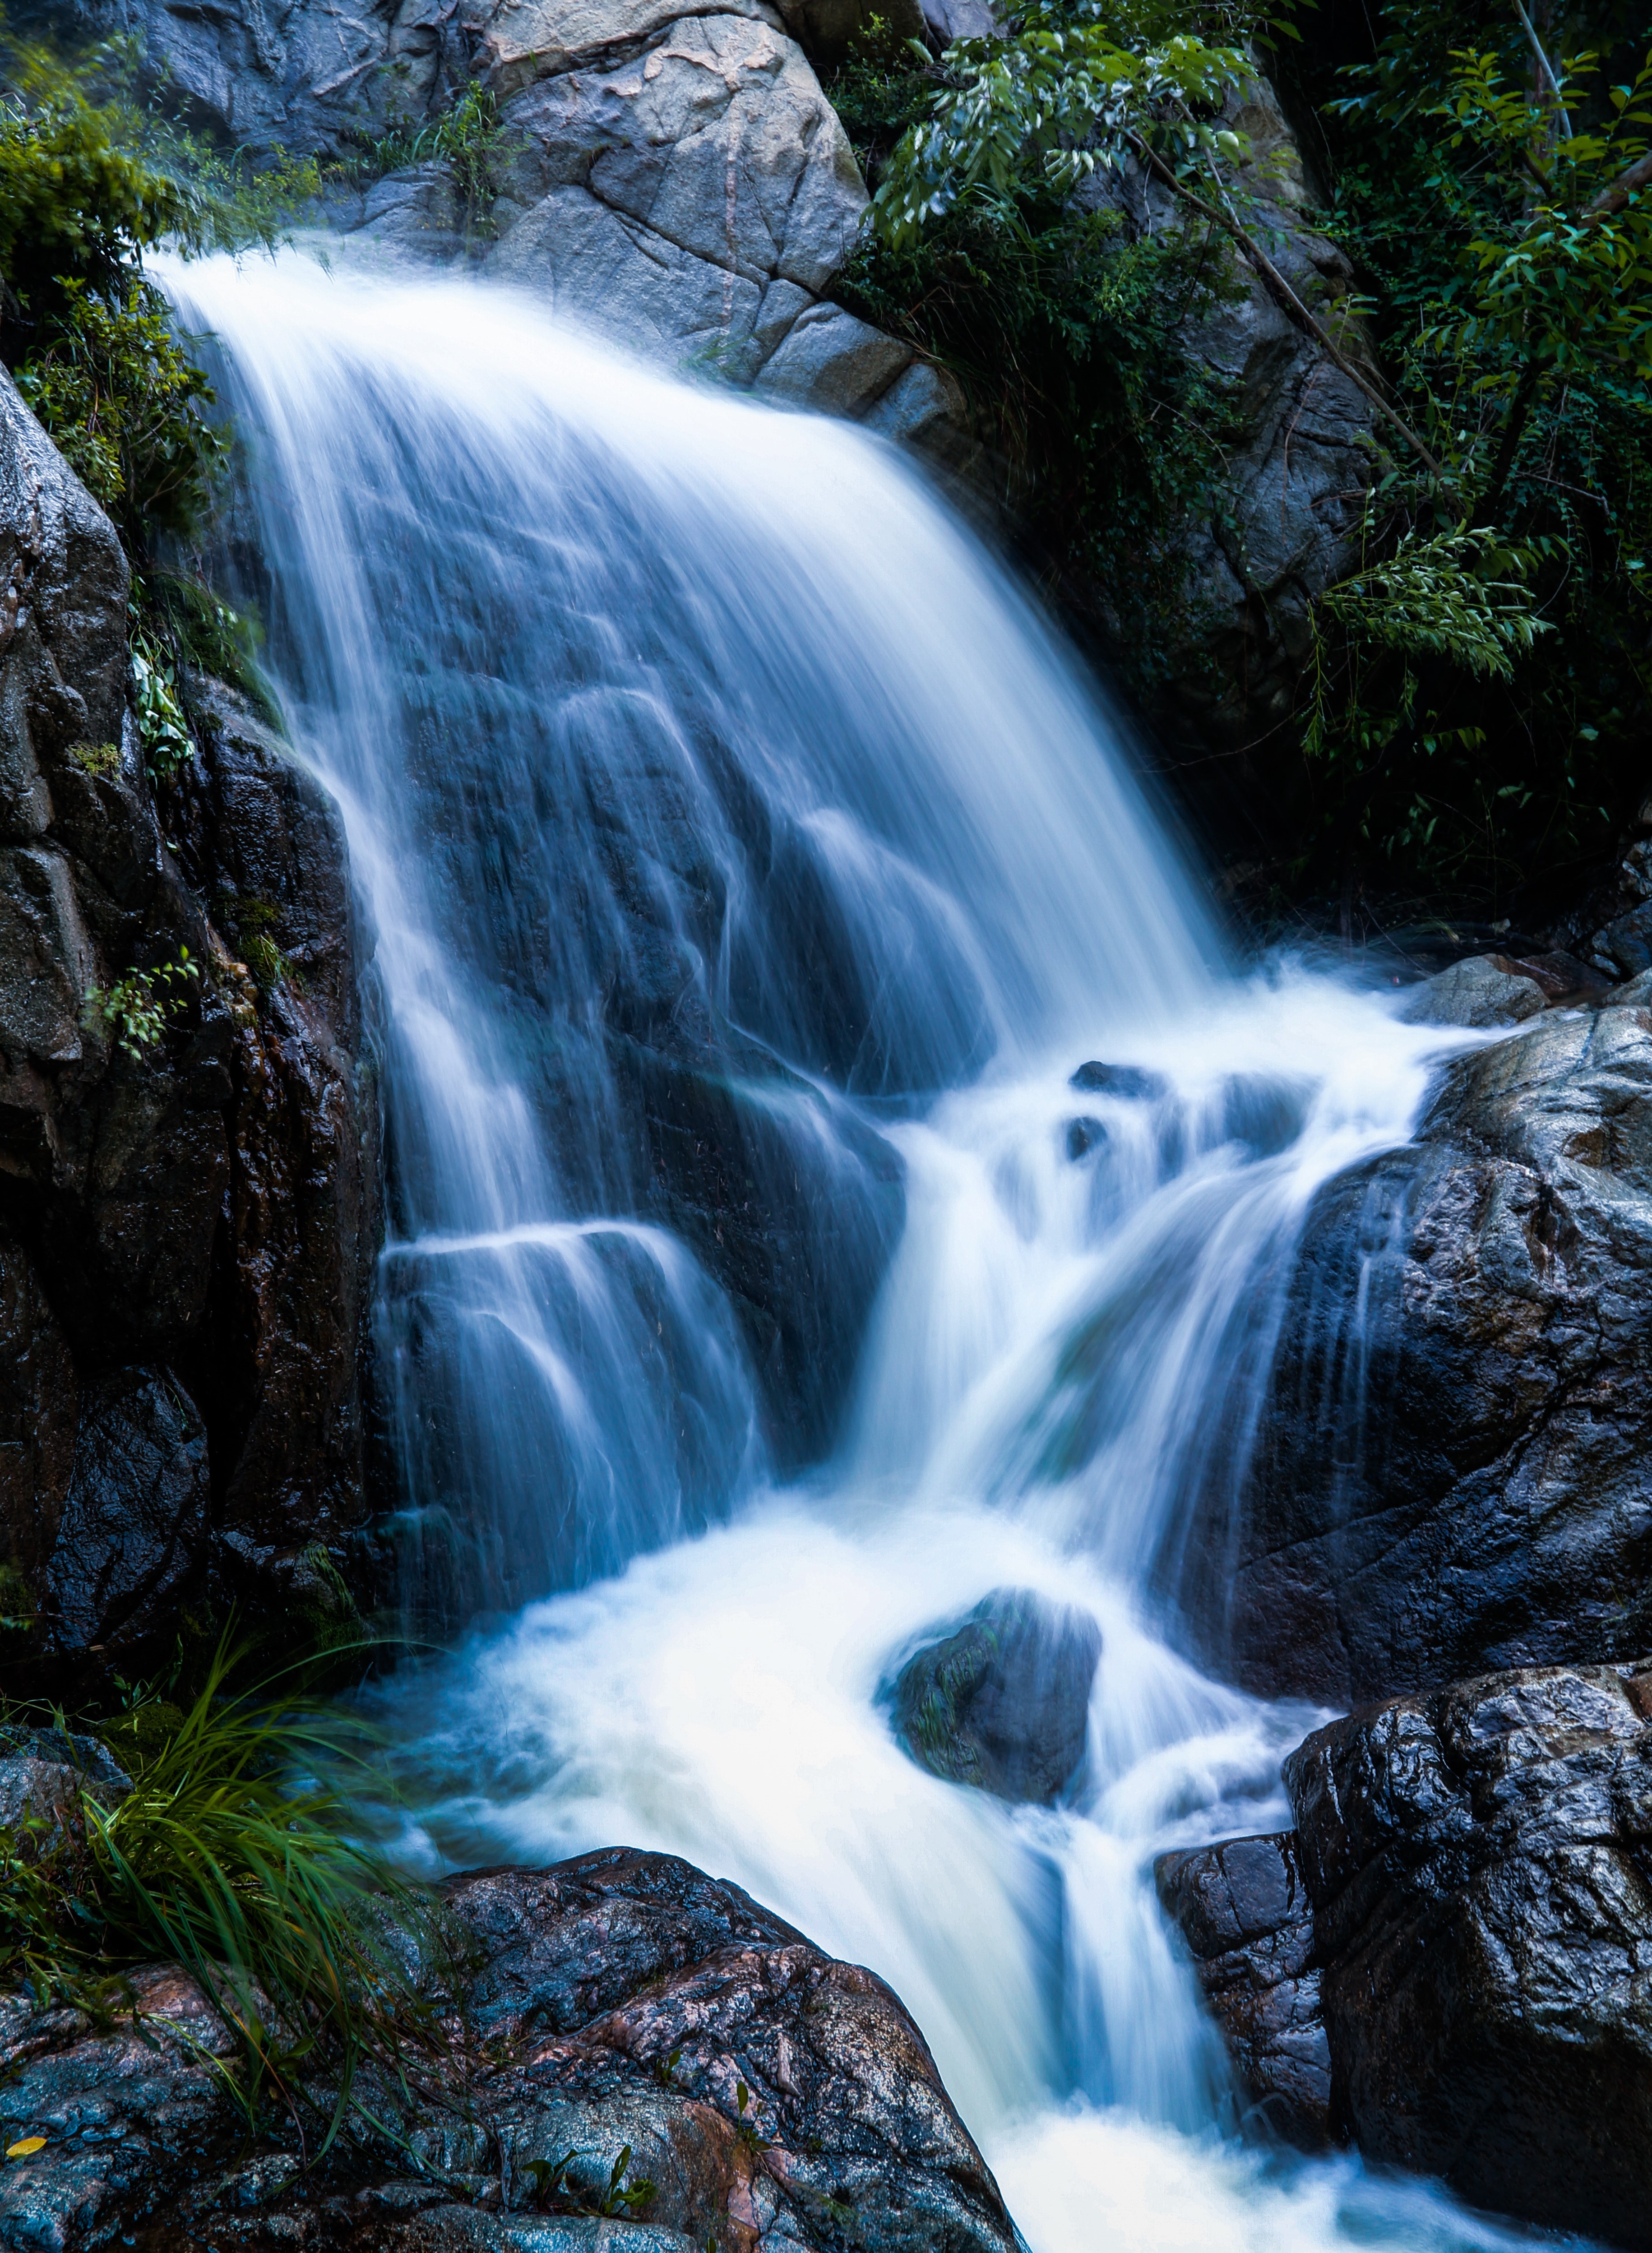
770 2095
1453 1465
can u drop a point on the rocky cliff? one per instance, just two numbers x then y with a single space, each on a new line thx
186 1205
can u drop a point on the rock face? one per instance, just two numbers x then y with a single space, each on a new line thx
769 2096
1295 482
674 178
1451 1465
185 1223
1482 1922
1004 1704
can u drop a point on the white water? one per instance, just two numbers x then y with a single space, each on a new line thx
658 717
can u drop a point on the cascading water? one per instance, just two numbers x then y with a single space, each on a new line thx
735 839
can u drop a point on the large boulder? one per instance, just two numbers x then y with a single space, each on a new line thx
1004 1702
1294 483
186 1223
1452 1466
1475 1968
705 2074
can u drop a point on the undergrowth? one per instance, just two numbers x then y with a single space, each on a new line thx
225 1859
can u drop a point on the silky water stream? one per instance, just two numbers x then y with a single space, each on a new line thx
684 742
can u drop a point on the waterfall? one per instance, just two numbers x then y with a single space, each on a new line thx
750 872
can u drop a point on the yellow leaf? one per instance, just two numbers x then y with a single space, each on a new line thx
26 2149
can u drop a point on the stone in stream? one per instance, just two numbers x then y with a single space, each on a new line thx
769 2096
1478 1866
1130 1082
1484 990
1004 1703
1244 1911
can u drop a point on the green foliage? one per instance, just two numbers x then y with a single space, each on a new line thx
137 1007
124 404
1076 87
1071 340
162 731
100 759
1509 273
1436 597
468 138
557 2189
91 176
220 1858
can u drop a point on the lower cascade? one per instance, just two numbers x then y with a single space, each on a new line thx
841 1207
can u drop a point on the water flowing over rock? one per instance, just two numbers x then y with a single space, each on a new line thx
1004 1703
1473 1969
1452 1467
184 1222
652 2024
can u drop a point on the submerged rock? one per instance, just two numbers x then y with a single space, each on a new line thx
1477 1866
1131 1083
1003 1704
1453 1465
711 2075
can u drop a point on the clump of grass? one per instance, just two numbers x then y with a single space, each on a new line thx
227 1856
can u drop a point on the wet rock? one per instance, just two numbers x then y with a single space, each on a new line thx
732 1159
40 1409
1451 1465
1477 1862
134 1523
186 1223
1244 1910
769 2096
42 1772
1130 1082
1611 930
1003 1704
1485 990
1084 1136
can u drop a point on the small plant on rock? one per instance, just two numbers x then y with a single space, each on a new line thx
137 1007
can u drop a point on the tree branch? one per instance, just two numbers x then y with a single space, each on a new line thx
1614 197
1545 66
1281 290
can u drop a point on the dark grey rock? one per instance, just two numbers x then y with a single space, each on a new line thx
1004 1703
1130 1082
1244 1911
205 1206
135 1519
1478 1866
1451 1465
770 2094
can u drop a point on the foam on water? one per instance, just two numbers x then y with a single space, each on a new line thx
658 717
